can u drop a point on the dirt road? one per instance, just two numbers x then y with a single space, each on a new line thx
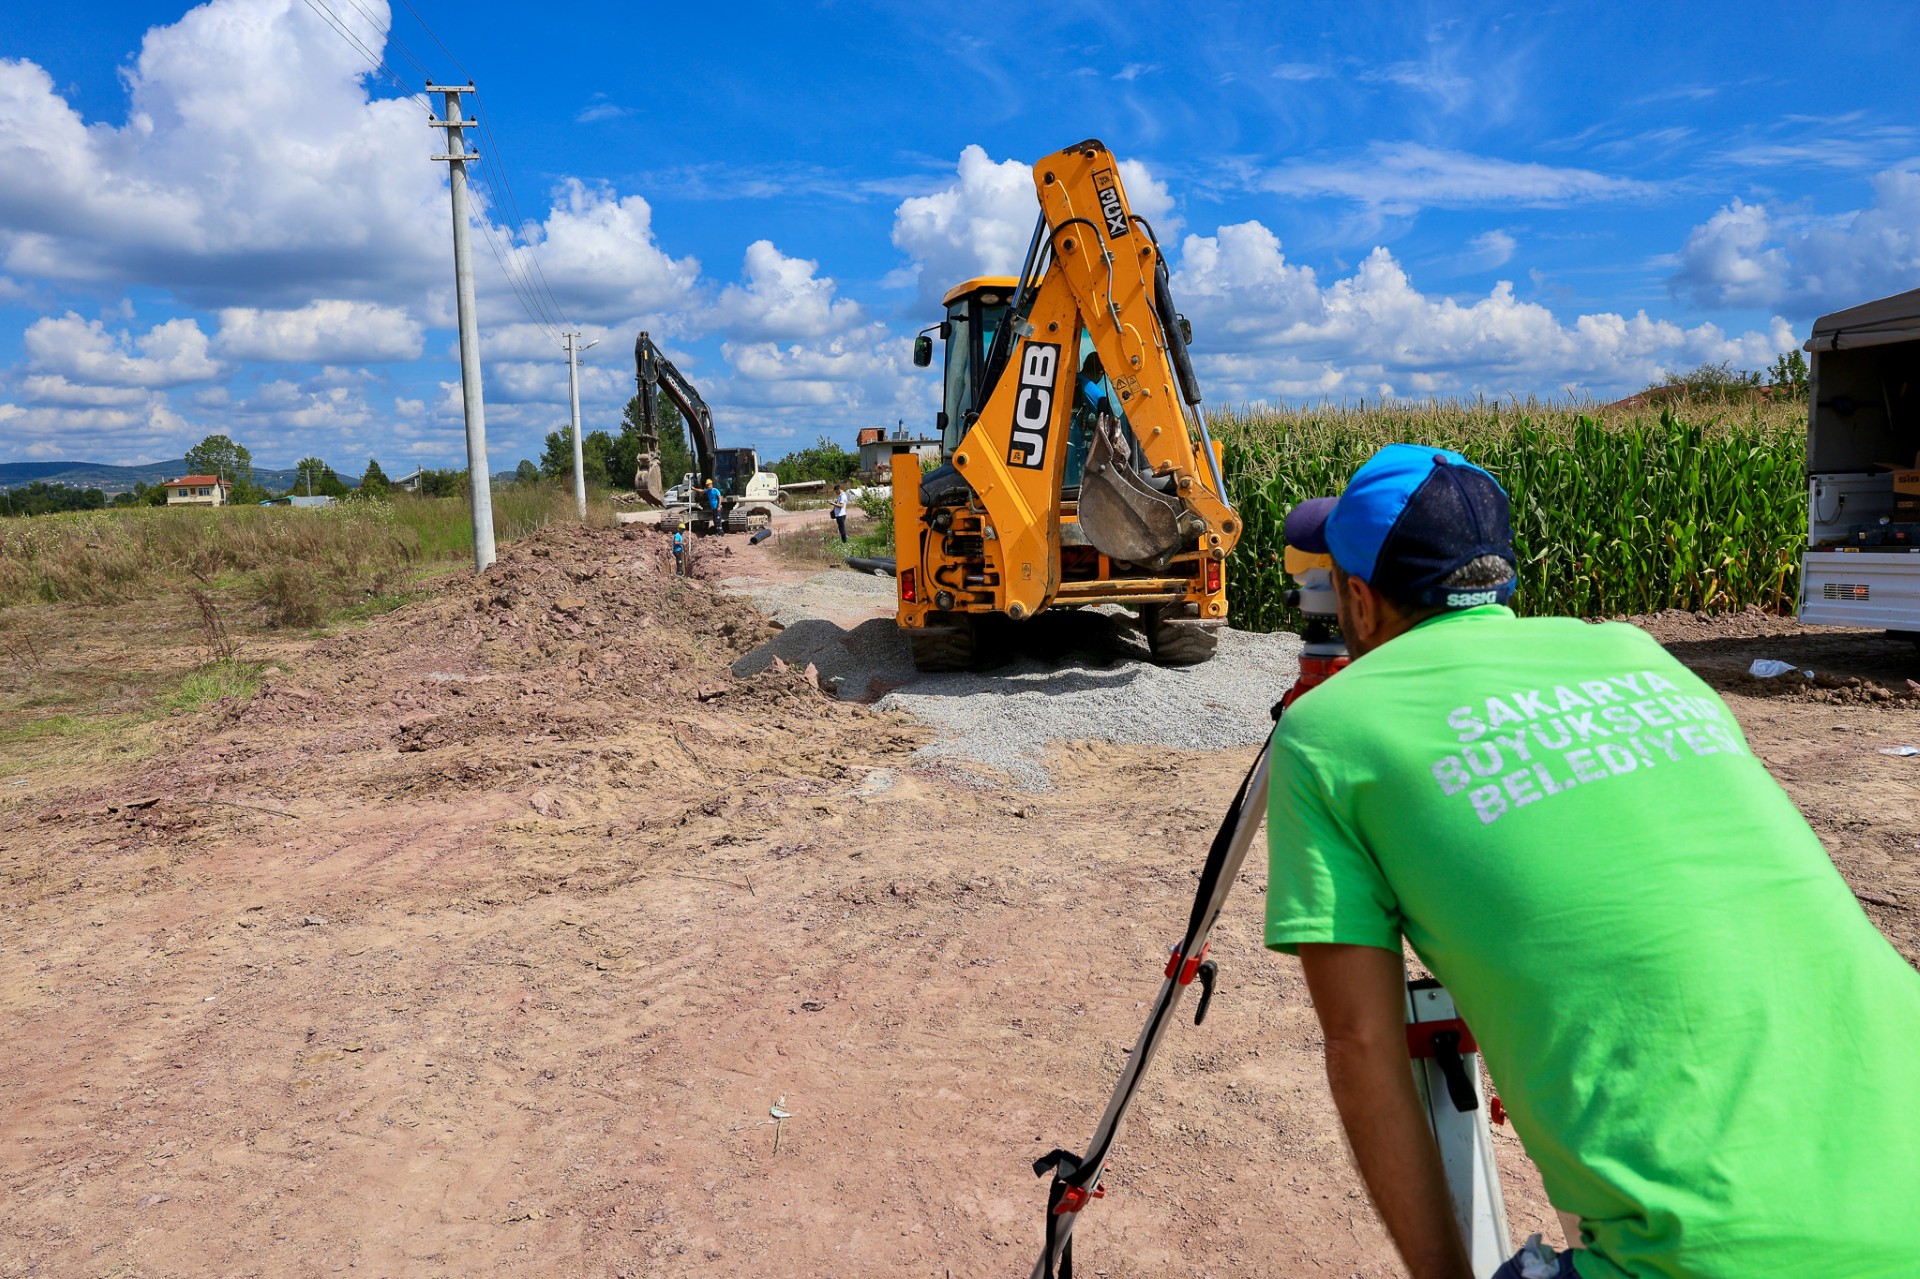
486 938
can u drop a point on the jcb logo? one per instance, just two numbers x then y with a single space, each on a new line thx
1110 203
1033 406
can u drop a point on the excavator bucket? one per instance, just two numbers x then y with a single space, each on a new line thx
646 480
1125 517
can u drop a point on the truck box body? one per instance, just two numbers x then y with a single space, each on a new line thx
1862 562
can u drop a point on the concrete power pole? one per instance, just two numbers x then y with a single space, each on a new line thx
573 394
479 478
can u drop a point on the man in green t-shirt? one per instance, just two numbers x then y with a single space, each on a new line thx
1709 1051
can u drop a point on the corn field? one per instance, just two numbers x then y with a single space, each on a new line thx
1613 514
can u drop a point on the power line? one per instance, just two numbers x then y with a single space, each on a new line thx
530 288
393 40
494 166
339 26
540 294
492 143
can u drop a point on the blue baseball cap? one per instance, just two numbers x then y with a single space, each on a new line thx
1410 518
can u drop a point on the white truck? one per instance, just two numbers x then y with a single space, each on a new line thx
1862 562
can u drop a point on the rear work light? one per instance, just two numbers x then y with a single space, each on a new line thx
1213 576
908 590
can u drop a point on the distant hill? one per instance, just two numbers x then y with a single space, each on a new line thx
121 479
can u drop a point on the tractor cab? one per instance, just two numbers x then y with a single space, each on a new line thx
975 311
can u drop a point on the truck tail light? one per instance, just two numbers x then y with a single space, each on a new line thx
908 587
1213 576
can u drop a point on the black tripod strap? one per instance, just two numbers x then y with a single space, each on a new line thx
1217 854
1075 1177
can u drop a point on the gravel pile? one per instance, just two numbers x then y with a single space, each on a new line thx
1069 676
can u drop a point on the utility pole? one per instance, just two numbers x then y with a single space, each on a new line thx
573 393
479 478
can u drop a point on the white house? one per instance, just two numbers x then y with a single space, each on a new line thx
196 490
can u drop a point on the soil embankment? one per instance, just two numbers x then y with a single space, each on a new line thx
484 939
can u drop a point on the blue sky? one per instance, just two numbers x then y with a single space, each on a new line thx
218 219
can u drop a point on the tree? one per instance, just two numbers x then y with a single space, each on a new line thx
42 498
556 460
824 461
443 483
1720 379
312 476
526 472
595 451
374 481
1788 374
676 455
218 455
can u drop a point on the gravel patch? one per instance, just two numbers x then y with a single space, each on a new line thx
1067 676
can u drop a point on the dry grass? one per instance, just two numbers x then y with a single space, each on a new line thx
343 552
113 621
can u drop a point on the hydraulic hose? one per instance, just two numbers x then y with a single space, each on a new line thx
1176 341
1183 368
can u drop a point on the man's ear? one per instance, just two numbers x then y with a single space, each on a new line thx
1364 602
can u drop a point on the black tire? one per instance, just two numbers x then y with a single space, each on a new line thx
1176 636
945 645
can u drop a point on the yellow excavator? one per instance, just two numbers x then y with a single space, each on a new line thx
1077 465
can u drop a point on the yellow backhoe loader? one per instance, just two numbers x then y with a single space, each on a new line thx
1078 469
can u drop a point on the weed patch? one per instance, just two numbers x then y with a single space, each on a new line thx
214 682
290 597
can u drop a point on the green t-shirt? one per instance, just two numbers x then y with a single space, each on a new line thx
1709 1051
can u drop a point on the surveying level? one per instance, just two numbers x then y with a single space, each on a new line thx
1445 1058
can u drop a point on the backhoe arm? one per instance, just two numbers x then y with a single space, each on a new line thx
1102 273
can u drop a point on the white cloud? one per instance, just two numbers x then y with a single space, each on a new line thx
211 188
1301 72
55 389
104 433
600 108
859 374
598 253
1449 87
981 223
328 330
1754 255
1488 250
169 354
174 196
783 298
1149 198
1404 176
1266 328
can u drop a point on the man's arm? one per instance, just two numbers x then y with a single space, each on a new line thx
1359 993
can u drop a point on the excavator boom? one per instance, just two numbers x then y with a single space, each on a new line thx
654 372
